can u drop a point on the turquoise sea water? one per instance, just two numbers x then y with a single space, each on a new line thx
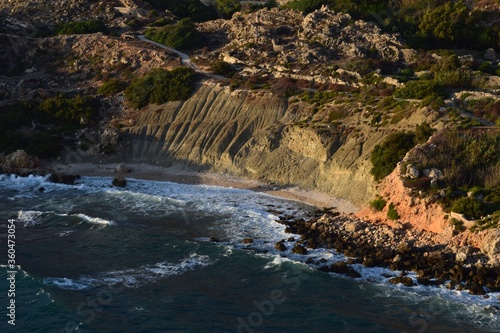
91 258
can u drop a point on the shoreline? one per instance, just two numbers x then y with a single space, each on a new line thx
434 260
142 171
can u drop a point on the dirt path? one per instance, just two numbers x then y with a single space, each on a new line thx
186 61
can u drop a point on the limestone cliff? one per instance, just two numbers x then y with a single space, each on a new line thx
257 135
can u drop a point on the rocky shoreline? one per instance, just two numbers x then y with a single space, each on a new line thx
399 249
402 248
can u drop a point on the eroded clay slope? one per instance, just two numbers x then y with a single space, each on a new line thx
252 134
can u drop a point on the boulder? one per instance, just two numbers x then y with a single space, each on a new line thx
280 246
122 168
119 182
353 227
299 249
247 241
340 267
490 55
476 289
436 174
19 160
405 280
412 171
491 243
109 137
60 178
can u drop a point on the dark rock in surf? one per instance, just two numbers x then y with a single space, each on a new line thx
280 246
60 178
299 249
119 182
247 241
405 280
340 267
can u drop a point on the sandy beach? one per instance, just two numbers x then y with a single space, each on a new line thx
179 175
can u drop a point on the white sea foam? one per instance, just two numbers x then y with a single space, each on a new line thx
96 220
133 278
66 233
34 217
65 283
27 187
29 217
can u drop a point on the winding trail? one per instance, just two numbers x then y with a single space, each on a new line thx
186 61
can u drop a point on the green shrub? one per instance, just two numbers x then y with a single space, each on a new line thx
392 213
305 6
193 9
392 150
74 110
161 22
423 131
487 67
82 27
457 225
467 157
182 35
227 7
432 102
111 87
160 86
419 90
135 23
469 207
223 68
378 204
489 222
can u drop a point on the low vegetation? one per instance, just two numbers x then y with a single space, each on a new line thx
425 24
378 204
111 87
36 127
467 157
223 68
82 27
469 207
182 35
470 163
392 150
392 213
160 86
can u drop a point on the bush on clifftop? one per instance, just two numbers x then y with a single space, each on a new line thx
386 156
82 27
160 86
182 35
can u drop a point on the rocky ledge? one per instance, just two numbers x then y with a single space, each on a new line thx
401 249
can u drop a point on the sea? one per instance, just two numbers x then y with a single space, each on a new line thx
167 257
